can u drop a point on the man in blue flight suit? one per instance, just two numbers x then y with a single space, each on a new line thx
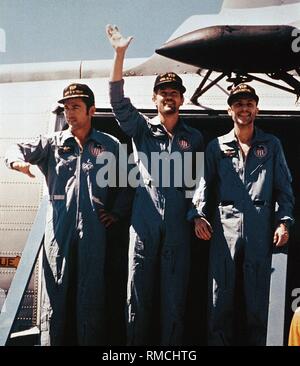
159 246
245 175
73 297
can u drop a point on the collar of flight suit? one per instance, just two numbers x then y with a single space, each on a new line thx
67 134
180 125
259 137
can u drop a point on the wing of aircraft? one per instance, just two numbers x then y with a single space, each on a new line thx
28 95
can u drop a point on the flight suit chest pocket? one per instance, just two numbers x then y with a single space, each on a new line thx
227 165
65 157
260 167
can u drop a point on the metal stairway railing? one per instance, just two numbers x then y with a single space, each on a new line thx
276 313
23 274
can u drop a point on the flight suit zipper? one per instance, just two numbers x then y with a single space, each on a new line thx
78 177
242 170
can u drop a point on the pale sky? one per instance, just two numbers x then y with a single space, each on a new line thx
67 30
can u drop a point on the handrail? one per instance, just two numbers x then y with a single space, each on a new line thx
276 313
22 276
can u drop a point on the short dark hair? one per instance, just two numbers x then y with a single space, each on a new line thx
88 102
